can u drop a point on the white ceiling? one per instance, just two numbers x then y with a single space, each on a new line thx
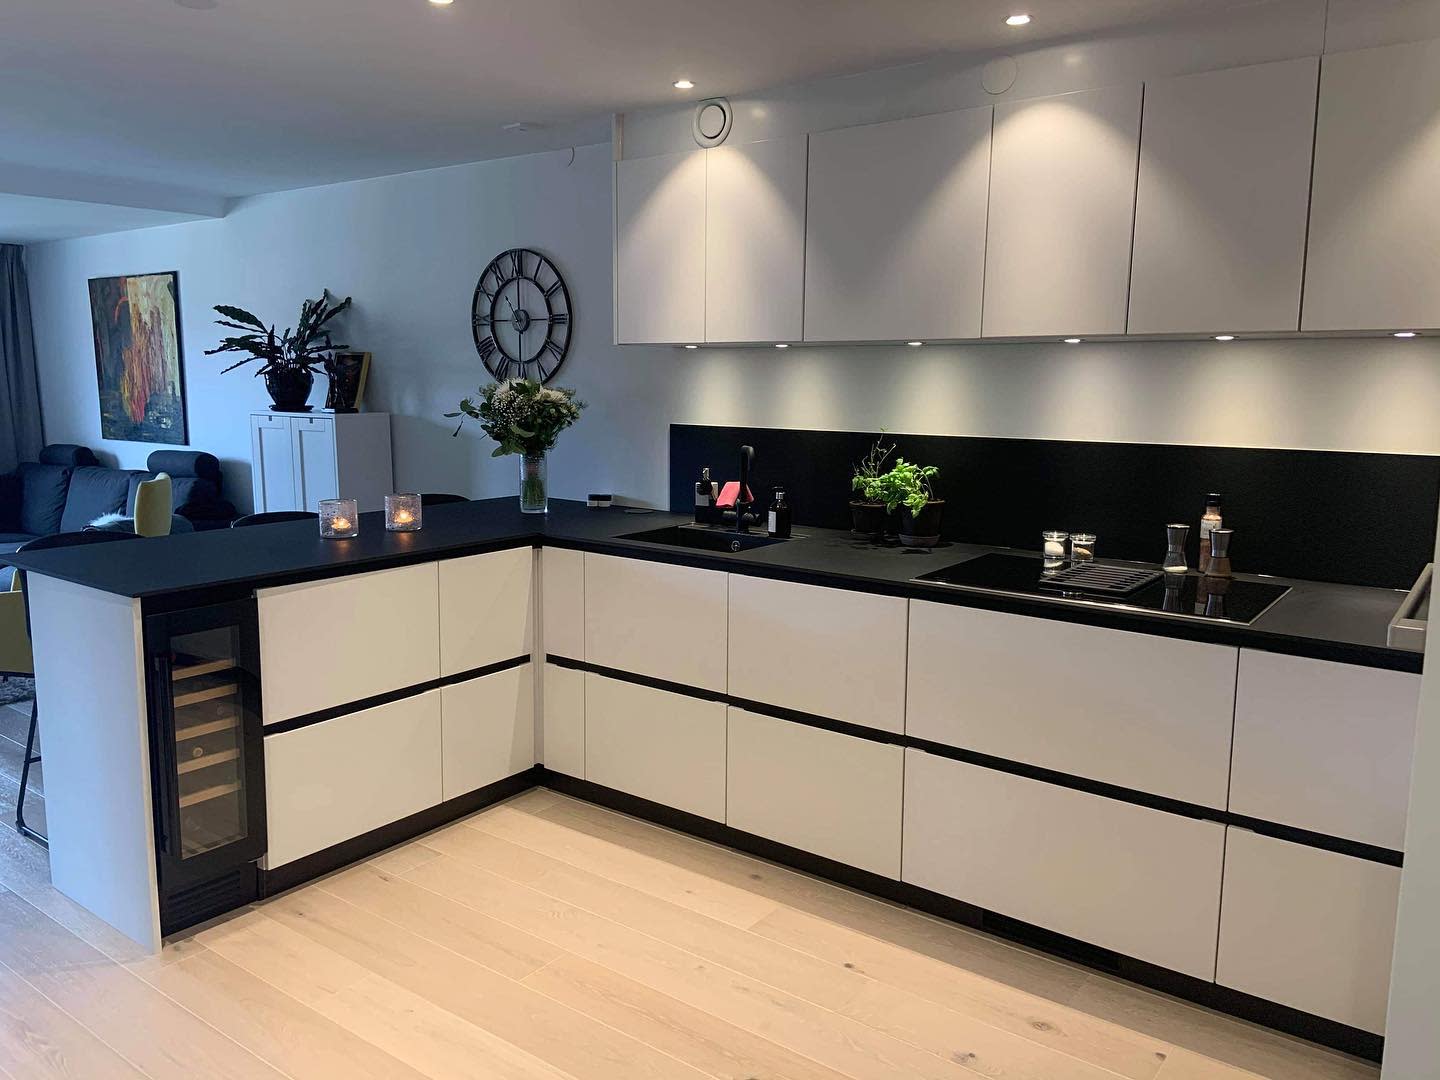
264 95
25 219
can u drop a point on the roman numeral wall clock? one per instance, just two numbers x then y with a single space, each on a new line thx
521 316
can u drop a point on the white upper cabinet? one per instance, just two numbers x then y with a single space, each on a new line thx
1224 191
895 229
660 249
755 242
1373 261
1062 208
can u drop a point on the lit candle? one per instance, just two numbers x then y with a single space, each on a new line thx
339 518
402 512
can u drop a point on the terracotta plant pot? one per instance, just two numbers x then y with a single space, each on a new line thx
867 520
289 388
922 529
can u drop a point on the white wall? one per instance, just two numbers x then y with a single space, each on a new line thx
409 249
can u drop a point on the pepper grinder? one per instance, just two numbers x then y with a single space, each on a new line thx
1218 564
1176 536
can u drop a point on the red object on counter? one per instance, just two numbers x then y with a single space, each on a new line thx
730 491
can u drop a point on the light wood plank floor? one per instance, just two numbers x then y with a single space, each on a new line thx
548 938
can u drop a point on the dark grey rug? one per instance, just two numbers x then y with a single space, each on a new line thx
15 690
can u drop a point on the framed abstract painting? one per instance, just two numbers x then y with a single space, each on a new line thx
136 324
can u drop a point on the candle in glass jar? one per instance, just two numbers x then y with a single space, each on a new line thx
339 518
1054 546
402 512
1082 547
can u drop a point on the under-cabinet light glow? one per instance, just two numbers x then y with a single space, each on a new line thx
914 344
1224 337
684 84
1073 340
692 346
781 345
1405 333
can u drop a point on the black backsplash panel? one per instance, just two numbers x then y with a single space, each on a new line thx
1362 519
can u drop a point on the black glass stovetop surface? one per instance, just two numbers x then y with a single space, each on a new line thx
1224 599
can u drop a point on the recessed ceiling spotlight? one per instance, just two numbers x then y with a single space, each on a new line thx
1018 20
684 84
782 345
442 3
1073 340
1405 333
1224 337
914 344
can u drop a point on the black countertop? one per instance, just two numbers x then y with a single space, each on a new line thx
1333 622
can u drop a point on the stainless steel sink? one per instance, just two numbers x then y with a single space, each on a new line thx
703 538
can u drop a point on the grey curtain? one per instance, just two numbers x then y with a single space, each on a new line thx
20 435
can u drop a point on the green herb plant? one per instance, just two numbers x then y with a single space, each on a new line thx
871 466
906 484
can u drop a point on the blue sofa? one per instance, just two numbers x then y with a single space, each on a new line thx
68 488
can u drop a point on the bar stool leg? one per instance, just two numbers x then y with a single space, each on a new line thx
31 758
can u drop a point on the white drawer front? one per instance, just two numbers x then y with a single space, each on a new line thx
489 729
830 652
1308 928
563 747
1325 747
664 747
487 609
831 794
656 619
1124 877
562 615
328 643
340 778
1143 712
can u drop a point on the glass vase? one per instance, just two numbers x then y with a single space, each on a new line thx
534 495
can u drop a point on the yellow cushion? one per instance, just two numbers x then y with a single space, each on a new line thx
15 655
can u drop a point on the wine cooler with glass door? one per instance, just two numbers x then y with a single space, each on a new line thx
207 759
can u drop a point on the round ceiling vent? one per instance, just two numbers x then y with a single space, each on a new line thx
712 122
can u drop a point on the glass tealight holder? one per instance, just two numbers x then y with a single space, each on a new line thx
339 519
1054 547
402 513
1082 547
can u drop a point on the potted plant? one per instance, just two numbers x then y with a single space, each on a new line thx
523 418
288 361
906 487
867 514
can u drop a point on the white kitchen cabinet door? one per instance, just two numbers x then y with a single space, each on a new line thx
656 619
487 609
1308 928
329 643
489 729
1372 261
755 241
1224 194
1325 747
272 463
660 249
315 461
895 229
341 778
1062 209
668 748
1127 878
562 602
819 791
830 652
563 728
1141 711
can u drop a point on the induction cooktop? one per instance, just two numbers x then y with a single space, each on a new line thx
1187 595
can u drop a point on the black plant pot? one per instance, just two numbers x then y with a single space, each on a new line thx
867 520
289 388
922 529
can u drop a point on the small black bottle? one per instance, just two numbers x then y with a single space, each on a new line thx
778 522
705 490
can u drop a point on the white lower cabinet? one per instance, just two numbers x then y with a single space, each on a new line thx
1136 710
1141 882
487 609
562 602
563 721
830 652
1308 928
819 791
337 779
665 747
489 729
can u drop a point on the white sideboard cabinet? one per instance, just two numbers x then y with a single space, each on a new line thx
297 459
